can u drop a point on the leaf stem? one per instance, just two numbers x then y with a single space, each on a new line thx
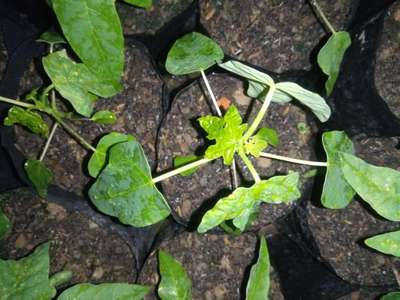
321 16
16 102
261 113
249 165
294 160
210 92
181 169
49 139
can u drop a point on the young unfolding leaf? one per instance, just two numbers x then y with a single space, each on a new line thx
39 175
140 3
104 117
391 296
76 83
105 291
378 186
312 100
29 119
93 30
125 189
28 277
258 142
388 243
227 133
336 193
98 158
331 55
192 53
51 37
175 282
183 160
277 189
258 284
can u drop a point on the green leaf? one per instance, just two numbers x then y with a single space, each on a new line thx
312 100
28 277
246 218
39 175
183 160
175 282
388 243
227 133
93 30
140 3
125 189
104 117
105 291
192 53
378 186
260 141
247 72
278 189
391 296
258 284
75 82
98 158
336 193
331 55
5 225
51 37
259 90
29 119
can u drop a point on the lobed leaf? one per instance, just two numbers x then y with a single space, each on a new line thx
312 100
175 282
76 83
336 192
125 189
182 160
105 291
239 204
93 30
258 142
39 175
29 119
51 37
388 243
378 186
104 117
28 277
140 3
258 285
192 53
391 296
98 158
331 55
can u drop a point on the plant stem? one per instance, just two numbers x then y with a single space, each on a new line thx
214 100
16 102
181 169
250 166
234 174
76 135
261 113
318 11
49 139
294 160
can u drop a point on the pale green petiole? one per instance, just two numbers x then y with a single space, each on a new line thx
16 102
322 16
249 165
294 160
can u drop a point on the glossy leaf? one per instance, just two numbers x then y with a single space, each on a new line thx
278 189
51 37
263 138
312 100
258 284
182 160
75 82
259 91
29 119
104 117
331 55
93 30
246 218
336 193
378 186
191 53
98 158
269 135
39 175
105 291
175 282
227 133
247 72
388 243
140 3
125 189
28 277
391 296
5 225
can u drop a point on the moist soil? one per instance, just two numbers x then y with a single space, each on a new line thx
217 263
